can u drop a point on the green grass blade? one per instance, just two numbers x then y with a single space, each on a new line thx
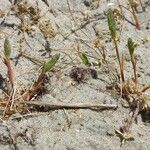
7 48
50 64
131 46
84 59
111 23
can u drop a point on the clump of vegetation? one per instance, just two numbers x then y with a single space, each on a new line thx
30 18
130 88
39 83
12 101
100 47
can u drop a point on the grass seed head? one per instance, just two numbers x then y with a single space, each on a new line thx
131 46
111 23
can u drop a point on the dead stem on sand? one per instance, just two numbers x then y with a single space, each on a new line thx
39 83
48 106
11 89
134 7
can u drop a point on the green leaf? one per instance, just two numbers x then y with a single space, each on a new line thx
111 23
84 59
50 64
7 48
131 46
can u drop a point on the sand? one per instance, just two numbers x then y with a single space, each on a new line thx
74 129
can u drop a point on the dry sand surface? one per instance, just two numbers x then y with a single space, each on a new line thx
73 27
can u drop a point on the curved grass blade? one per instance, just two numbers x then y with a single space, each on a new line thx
84 59
50 64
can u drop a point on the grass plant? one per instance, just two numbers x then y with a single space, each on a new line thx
131 48
113 31
39 83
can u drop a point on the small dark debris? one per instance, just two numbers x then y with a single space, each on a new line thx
147 26
46 2
78 74
1 81
47 47
145 116
87 3
94 73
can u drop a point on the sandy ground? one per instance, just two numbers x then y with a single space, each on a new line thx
74 129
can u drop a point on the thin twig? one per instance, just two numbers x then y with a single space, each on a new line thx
49 106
